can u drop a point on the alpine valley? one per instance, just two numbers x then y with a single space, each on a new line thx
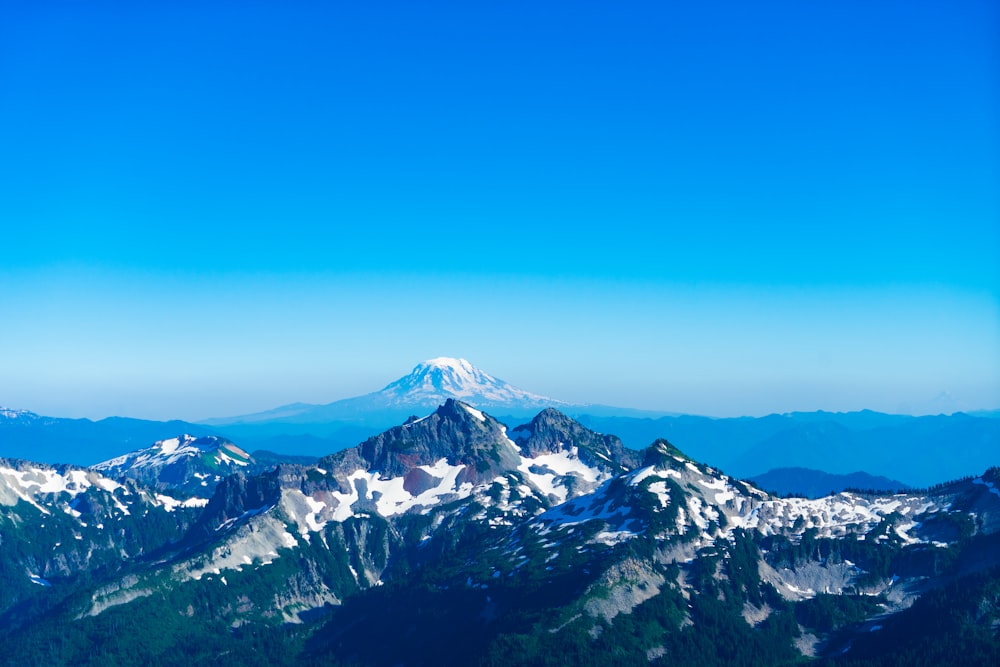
458 538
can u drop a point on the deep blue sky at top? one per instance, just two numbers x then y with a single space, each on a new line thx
785 154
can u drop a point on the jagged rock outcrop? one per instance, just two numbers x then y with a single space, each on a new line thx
552 431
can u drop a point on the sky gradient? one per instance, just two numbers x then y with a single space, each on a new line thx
722 210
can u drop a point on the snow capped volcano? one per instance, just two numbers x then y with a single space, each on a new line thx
427 386
436 380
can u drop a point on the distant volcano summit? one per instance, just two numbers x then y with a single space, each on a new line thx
434 381
427 386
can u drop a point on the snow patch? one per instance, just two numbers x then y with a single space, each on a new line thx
545 471
169 503
475 413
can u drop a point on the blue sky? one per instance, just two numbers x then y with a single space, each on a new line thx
737 208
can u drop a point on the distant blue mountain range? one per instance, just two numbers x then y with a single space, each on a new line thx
919 451
817 484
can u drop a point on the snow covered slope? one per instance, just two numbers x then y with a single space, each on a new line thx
459 451
428 385
59 521
436 380
690 508
185 463
451 469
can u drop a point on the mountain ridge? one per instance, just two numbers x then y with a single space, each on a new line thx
476 544
189 464
817 483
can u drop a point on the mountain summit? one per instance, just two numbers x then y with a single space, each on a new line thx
430 384
434 381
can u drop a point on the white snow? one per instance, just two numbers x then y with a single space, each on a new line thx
172 450
343 510
397 500
31 484
309 512
435 380
807 592
311 519
643 473
170 445
725 492
660 489
716 497
475 413
225 455
109 484
612 538
545 470
170 504
392 498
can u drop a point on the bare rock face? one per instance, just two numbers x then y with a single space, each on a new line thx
236 497
455 431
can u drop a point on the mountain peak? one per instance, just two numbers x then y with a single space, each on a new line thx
185 462
455 432
11 414
430 384
434 381
449 362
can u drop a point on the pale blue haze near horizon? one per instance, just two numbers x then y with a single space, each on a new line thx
724 209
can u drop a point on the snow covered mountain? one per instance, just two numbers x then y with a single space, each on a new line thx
434 381
186 463
58 523
9 415
497 545
428 385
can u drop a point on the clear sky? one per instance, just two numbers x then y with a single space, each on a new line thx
721 208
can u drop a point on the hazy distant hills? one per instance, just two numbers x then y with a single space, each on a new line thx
816 483
83 442
916 450
26 435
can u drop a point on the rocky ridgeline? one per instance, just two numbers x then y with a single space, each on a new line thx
459 502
